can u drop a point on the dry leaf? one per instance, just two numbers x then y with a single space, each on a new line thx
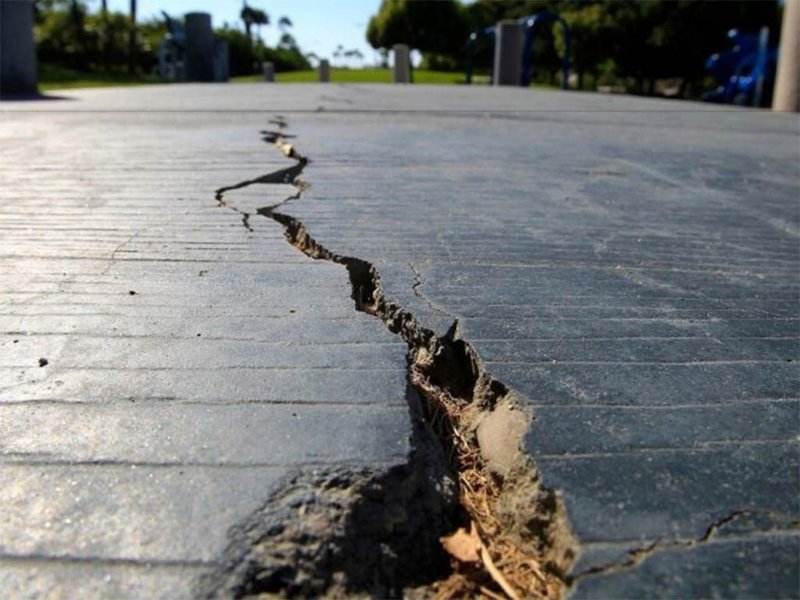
463 545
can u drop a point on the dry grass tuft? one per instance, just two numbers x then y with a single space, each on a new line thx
507 569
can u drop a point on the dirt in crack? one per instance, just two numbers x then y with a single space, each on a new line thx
466 516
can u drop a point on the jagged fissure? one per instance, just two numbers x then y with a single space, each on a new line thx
526 543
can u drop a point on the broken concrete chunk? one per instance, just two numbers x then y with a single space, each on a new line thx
500 435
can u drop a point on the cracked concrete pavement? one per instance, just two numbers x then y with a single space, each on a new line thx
627 266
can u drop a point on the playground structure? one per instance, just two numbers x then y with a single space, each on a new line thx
172 50
744 72
530 23
174 62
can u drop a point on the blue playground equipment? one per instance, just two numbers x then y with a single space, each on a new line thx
744 71
530 23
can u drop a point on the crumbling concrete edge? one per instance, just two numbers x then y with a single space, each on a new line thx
468 426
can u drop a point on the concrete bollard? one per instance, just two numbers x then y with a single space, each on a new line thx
222 61
199 47
402 64
787 79
324 70
269 71
17 50
509 38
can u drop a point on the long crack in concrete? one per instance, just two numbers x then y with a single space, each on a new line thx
363 531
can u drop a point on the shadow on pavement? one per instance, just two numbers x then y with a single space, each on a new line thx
29 96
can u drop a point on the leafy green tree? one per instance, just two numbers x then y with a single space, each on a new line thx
246 55
593 32
435 26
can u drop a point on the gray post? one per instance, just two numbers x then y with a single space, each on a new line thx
199 47
787 80
508 53
324 70
17 50
221 61
761 61
402 64
269 71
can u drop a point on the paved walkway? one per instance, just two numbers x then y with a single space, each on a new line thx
628 266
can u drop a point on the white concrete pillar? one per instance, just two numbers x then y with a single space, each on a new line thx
269 71
18 72
402 63
787 80
324 70
199 47
508 42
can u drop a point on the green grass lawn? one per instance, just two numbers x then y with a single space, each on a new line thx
373 75
59 78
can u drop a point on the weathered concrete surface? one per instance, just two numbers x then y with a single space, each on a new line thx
630 267
634 275
191 364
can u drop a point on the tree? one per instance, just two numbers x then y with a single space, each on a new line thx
287 41
106 35
132 40
339 52
426 25
594 34
284 23
253 16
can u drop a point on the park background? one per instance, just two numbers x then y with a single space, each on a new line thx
649 47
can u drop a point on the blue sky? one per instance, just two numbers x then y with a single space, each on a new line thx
319 25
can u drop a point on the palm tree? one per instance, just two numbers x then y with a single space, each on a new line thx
356 54
284 23
287 41
253 16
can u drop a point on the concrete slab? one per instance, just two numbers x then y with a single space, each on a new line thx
162 369
628 266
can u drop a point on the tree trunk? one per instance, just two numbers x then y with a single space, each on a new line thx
79 58
106 35
132 41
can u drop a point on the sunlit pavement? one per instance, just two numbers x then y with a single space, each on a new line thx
629 267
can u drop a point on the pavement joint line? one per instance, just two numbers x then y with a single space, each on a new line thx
218 403
791 531
641 553
112 463
105 561
458 395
